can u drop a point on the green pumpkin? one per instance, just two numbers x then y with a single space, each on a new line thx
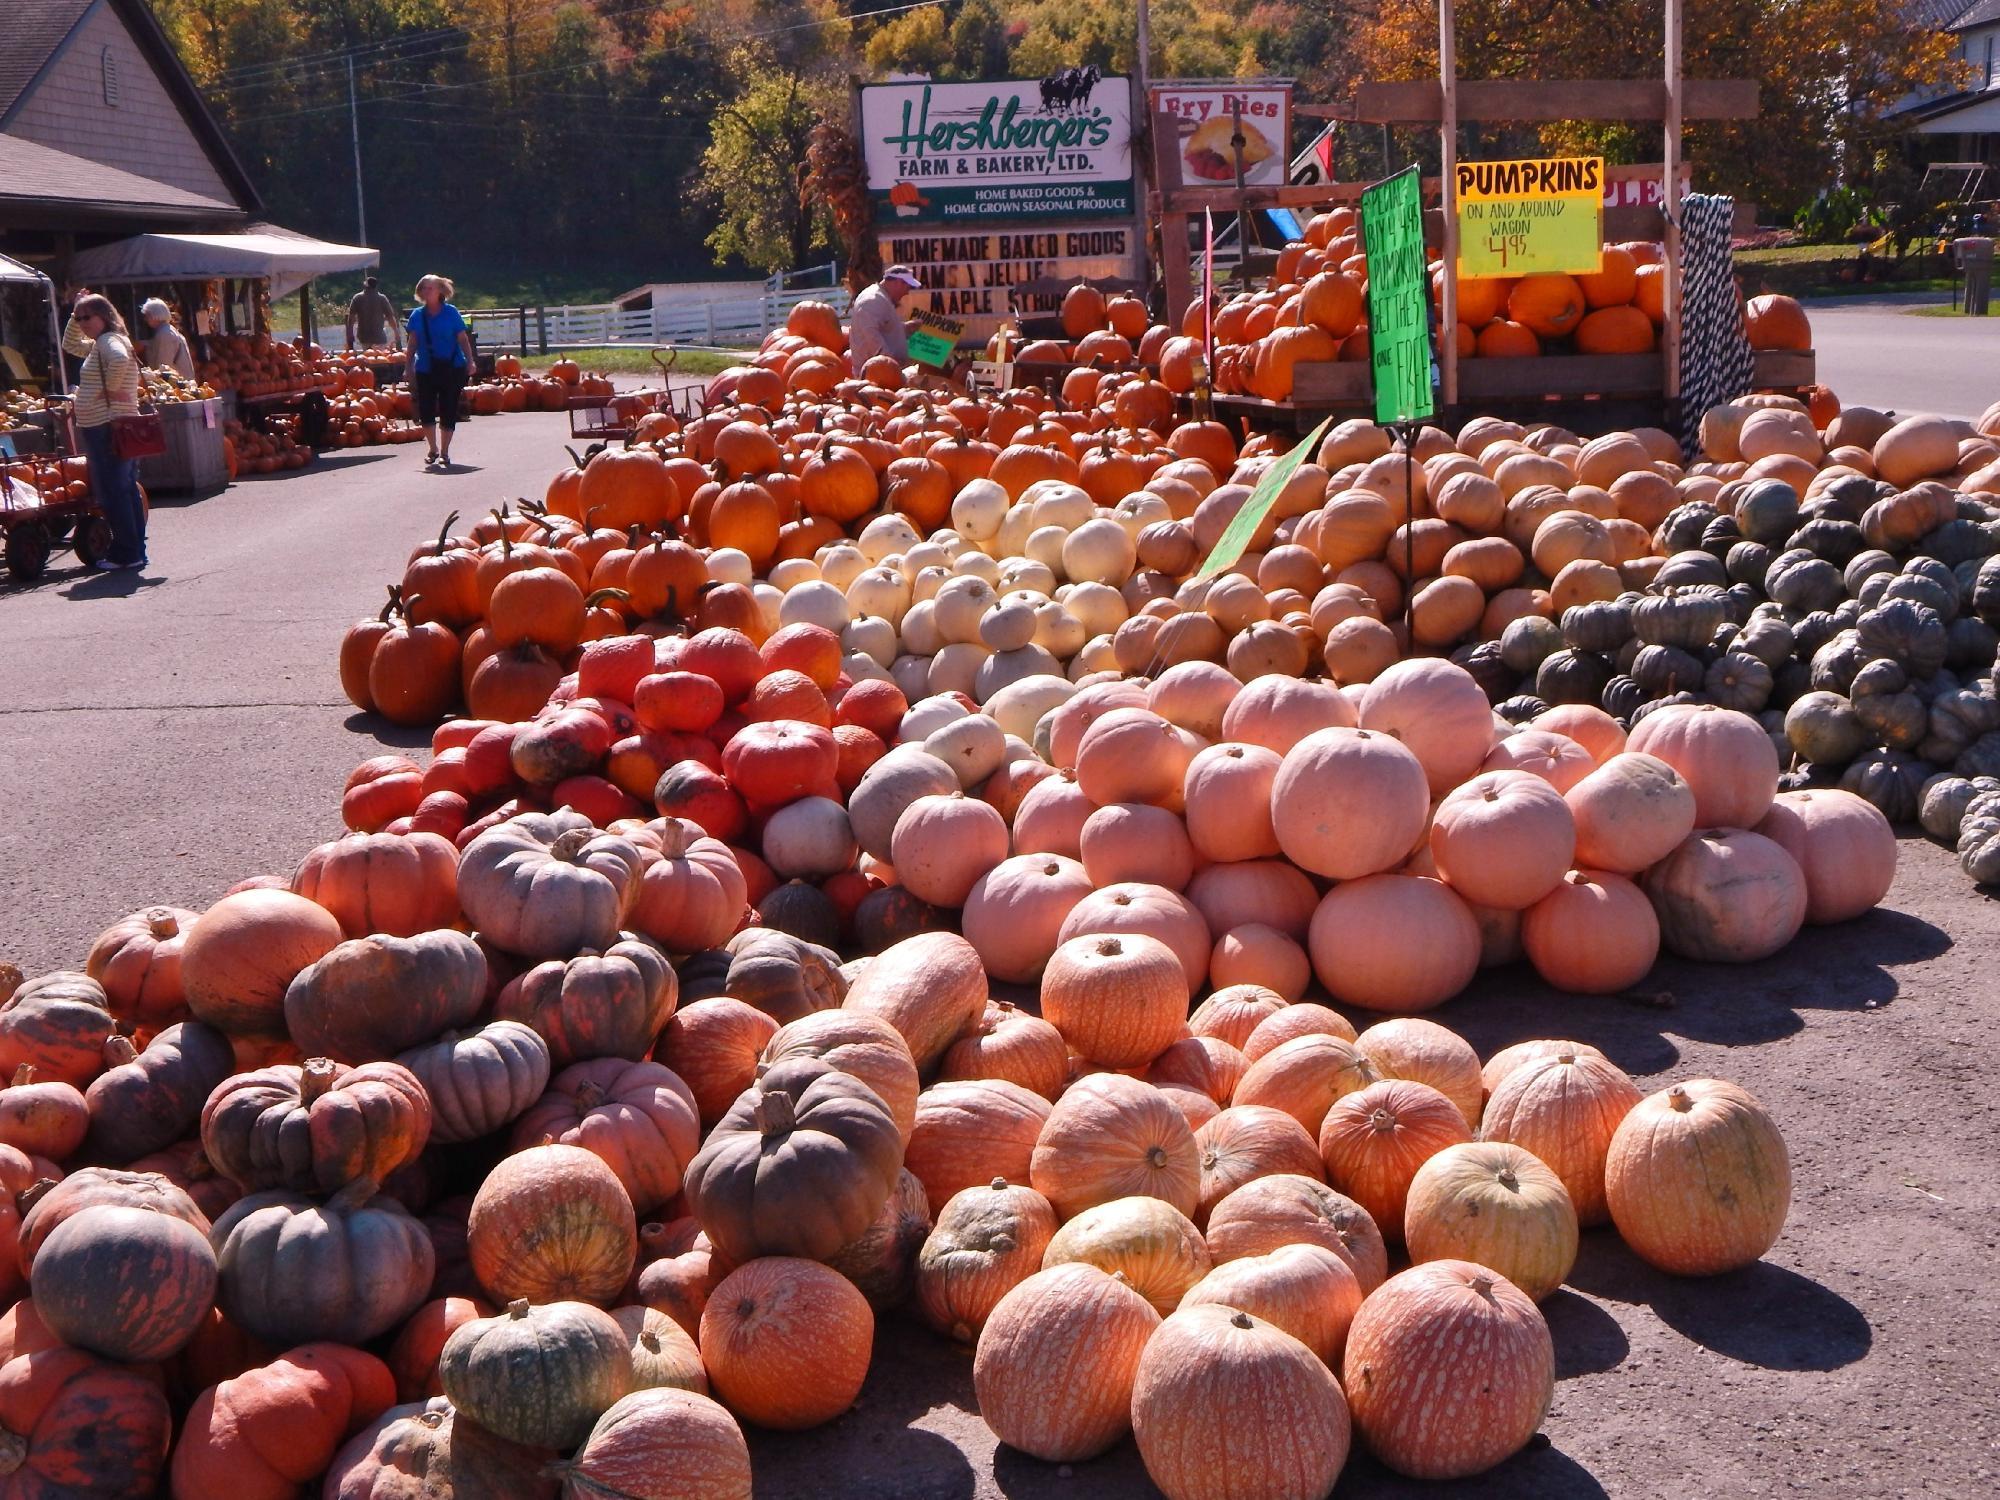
541 1376
1738 680
1768 511
1979 838
1890 779
1685 618
1823 728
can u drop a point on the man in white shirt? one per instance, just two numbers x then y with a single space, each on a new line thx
875 320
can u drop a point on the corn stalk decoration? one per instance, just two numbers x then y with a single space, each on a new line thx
837 176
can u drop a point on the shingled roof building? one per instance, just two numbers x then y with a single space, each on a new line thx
103 133
1962 126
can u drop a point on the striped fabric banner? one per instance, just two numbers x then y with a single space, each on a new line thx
1715 352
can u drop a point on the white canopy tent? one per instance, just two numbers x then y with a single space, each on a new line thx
12 271
288 260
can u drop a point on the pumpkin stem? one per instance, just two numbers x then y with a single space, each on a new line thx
11 979
569 844
13 1451
518 1308
1678 1098
118 1051
589 1095
25 1074
444 534
775 1113
389 608
316 1076
1508 1180
1240 1320
33 1193
998 1184
162 923
599 596
354 1194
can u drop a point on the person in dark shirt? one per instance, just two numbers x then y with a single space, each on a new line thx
370 315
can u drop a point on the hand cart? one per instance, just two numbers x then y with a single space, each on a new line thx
615 416
35 525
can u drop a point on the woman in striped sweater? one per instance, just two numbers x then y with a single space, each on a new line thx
108 387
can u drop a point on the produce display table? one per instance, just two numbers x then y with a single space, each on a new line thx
194 462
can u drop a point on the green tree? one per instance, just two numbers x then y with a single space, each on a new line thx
753 172
914 42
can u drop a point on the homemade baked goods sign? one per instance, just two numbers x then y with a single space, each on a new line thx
1060 147
977 278
1206 115
1519 217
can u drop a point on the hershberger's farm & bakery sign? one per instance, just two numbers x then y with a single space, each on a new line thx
961 152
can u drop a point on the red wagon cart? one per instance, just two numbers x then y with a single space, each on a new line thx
39 514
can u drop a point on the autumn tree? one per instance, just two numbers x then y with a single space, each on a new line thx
753 172
1828 70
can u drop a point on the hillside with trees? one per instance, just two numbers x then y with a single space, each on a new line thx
564 147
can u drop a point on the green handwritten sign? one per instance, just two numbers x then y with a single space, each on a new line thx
1399 302
1235 538
933 339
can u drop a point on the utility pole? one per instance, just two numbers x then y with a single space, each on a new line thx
354 130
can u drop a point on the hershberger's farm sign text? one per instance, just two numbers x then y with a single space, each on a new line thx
962 152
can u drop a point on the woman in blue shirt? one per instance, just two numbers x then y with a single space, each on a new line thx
440 360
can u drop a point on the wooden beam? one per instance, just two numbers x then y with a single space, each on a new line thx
1670 324
1448 95
1512 99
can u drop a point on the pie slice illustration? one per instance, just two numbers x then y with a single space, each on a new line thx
1209 155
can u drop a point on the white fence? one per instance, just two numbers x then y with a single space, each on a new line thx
734 323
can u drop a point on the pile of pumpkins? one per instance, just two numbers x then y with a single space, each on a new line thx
1313 311
535 1159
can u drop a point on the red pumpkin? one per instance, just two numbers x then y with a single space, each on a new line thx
243 953
316 1128
413 1358
387 883
691 896
58 1024
137 960
269 1431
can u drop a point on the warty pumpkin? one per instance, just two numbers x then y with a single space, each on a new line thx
1411 1047
1225 1404
317 1127
800 1165
267 1432
58 1024
371 1266
1118 999
369 998
786 1342
987 1240
552 1223
537 1375
424 1445
1449 1369
637 1117
1055 1365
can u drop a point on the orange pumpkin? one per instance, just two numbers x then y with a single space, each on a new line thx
243 953
1621 329
1594 934
1151 1245
1109 1137
1248 1141
1774 321
970 1132
1307 1290
1630 813
257 1435
1365 949
1503 839
1842 843
1439 713
552 1223
1698 1179
1226 1404
1374 1140
988 1239
1057 1360
786 1342
1117 999
1726 757
1010 1045
1287 1208
1411 1047
1347 802
1449 1369
1563 1105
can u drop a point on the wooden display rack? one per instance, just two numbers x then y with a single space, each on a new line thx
1610 387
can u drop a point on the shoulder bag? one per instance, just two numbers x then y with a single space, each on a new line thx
141 436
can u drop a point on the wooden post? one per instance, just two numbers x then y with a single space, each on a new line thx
1142 116
1670 210
1447 169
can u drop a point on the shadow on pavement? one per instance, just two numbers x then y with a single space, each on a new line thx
353 458
1763 1315
110 585
1588 1339
1541 1471
396 736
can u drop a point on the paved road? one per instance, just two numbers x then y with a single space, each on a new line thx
1882 354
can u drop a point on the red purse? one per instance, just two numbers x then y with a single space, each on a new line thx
143 435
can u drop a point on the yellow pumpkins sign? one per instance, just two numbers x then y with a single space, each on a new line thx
1520 217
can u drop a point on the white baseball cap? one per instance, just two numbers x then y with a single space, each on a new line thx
903 274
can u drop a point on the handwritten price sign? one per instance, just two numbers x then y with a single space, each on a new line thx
1520 217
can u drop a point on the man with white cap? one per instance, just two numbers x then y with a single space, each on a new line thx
875 321
162 344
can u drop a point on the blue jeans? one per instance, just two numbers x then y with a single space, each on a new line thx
115 481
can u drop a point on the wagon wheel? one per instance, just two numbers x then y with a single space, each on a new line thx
93 539
27 550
